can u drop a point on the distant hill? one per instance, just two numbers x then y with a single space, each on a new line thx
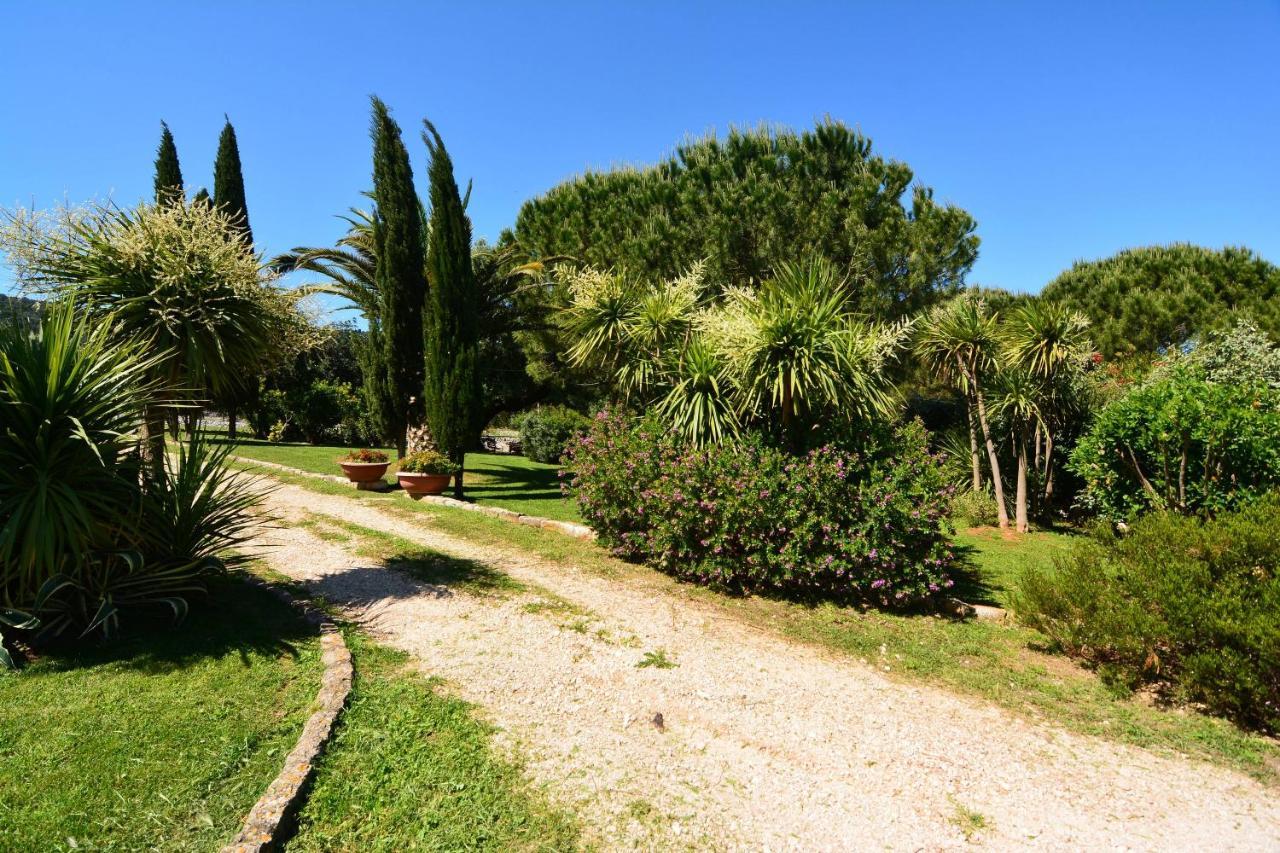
18 308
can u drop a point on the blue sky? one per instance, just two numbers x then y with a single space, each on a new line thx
1069 130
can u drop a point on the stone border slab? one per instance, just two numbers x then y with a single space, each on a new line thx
567 528
270 817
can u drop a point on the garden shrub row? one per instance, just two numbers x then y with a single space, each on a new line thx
1187 604
745 516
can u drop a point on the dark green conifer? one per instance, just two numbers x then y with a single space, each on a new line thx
228 181
451 318
168 184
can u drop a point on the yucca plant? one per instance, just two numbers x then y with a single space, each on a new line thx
702 402
71 401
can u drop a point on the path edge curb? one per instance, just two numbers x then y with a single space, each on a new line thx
265 825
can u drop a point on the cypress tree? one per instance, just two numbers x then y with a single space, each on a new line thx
168 172
228 180
451 319
202 195
399 275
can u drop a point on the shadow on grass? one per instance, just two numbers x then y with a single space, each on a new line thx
234 618
971 586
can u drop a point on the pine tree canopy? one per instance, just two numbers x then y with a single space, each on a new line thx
1140 300
168 183
451 320
399 275
228 180
757 198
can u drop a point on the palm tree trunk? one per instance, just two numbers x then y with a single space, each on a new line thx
974 458
1002 511
231 423
153 442
1021 498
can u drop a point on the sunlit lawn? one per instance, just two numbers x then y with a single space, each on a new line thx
513 482
162 738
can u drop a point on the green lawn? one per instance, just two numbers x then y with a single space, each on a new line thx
992 560
162 738
998 662
512 482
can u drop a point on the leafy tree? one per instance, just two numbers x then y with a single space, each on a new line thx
451 321
399 277
755 199
168 181
1143 300
228 181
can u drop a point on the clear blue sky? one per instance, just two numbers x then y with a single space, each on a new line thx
1069 130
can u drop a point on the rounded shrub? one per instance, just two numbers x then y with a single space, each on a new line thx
547 430
744 516
1182 603
427 462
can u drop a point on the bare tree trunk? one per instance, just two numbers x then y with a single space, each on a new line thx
153 443
231 423
1002 511
457 483
1020 499
974 458
1048 469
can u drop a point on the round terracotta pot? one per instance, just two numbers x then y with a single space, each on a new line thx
423 484
364 472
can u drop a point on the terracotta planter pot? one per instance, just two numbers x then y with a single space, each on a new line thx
364 472
423 484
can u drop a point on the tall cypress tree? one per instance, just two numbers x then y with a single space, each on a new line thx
451 319
168 172
399 275
228 180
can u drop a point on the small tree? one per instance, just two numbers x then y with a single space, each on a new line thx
399 275
168 181
451 321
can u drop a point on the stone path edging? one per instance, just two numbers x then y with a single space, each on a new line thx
264 826
568 528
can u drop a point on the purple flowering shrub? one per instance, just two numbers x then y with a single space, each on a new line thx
745 516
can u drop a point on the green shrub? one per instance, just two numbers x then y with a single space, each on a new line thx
1180 443
1191 605
973 509
745 516
547 430
427 462
364 456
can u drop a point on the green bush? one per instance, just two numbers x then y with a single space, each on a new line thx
745 516
1180 443
547 430
973 509
427 462
1191 605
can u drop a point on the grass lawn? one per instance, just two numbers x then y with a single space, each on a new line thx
512 482
162 738
997 662
992 560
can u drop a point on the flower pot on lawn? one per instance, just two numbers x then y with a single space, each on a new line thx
366 475
416 485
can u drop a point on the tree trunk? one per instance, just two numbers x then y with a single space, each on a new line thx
457 482
1048 470
1021 497
974 457
1002 511
231 423
153 443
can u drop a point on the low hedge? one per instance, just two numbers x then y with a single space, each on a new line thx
1190 606
744 516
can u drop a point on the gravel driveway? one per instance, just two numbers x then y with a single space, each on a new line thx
762 743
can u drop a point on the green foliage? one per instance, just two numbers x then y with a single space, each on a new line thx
1242 355
1141 300
1178 602
1180 443
973 509
168 180
754 199
747 517
427 462
365 455
399 278
547 430
451 320
228 182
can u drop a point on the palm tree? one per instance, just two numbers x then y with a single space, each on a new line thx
1050 342
1016 401
348 267
960 342
167 275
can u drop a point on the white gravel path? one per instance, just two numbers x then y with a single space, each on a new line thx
767 744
